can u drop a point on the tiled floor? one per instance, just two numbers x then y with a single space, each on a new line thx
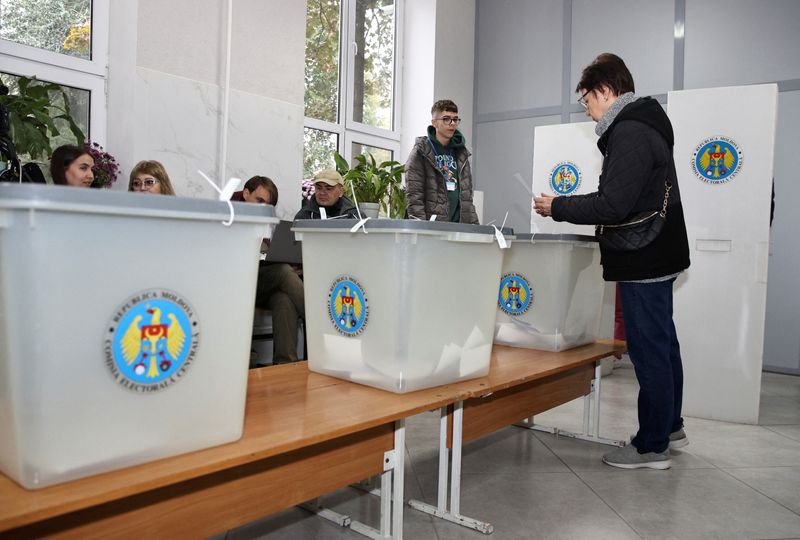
732 481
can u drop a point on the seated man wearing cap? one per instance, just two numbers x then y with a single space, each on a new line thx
328 194
279 288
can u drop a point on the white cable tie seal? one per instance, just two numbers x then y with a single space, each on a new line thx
361 220
224 194
360 224
501 240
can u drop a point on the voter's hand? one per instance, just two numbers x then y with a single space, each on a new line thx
542 204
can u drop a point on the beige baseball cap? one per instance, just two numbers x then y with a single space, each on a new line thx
329 176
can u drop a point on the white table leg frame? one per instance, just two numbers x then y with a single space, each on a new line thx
591 417
391 490
440 510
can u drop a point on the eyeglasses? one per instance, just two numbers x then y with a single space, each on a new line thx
450 120
583 101
147 183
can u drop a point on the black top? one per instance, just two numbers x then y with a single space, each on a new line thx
342 207
638 160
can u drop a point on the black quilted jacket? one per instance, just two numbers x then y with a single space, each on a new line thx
637 149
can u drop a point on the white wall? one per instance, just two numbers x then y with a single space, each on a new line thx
526 72
166 91
455 58
438 63
418 68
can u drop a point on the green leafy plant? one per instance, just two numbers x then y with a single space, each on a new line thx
375 183
32 112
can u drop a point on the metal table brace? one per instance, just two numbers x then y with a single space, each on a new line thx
591 416
391 490
454 514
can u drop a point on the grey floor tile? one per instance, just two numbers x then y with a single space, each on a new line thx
779 409
508 452
781 484
780 385
295 523
793 432
780 399
536 506
725 444
706 503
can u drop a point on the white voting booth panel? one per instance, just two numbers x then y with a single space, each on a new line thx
724 140
566 161
553 148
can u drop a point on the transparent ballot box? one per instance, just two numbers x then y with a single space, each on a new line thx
398 304
551 292
125 324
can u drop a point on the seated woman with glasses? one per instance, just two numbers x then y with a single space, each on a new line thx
150 176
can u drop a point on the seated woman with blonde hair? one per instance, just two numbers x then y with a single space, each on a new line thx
150 176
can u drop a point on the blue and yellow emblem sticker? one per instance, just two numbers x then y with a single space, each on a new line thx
152 339
348 307
717 160
515 295
565 178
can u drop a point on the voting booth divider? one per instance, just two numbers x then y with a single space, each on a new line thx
125 324
724 146
561 260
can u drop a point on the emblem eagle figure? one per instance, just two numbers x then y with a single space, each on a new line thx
152 347
716 161
513 295
347 308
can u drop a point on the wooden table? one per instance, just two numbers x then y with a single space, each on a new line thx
305 435
521 383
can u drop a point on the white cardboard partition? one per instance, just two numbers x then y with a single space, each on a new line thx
566 161
724 140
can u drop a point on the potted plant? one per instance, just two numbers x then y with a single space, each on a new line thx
377 186
32 112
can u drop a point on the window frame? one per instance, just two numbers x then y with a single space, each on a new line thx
62 69
346 127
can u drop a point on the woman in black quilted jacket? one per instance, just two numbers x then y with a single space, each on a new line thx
638 189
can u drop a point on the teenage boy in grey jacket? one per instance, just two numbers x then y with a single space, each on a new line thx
438 175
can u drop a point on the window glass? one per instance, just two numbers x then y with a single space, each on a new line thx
78 106
318 149
61 26
322 60
380 154
374 63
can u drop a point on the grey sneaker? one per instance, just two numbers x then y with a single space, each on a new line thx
678 439
628 457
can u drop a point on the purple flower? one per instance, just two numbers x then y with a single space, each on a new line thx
307 189
105 166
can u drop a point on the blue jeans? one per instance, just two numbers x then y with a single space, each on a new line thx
656 355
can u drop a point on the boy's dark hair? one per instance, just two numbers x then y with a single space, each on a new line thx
606 70
444 105
258 181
